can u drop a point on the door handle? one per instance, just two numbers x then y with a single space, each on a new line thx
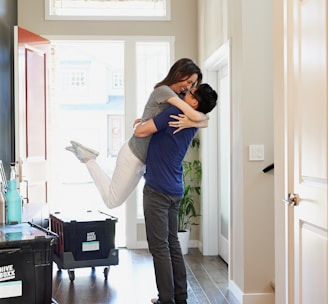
292 200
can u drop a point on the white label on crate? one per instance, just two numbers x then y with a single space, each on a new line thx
11 289
90 246
91 236
7 272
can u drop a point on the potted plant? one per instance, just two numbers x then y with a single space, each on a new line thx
192 174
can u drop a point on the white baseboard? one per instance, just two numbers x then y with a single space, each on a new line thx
235 290
251 298
193 244
139 245
144 244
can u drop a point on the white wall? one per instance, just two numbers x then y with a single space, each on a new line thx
248 26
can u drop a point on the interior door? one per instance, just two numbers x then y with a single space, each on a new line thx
307 104
31 121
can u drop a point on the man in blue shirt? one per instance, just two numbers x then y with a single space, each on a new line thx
163 191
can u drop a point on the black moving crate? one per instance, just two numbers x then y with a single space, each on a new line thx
84 240
26 255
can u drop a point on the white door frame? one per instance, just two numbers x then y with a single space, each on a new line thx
280 155
210 150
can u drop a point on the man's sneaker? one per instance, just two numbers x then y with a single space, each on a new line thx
82 152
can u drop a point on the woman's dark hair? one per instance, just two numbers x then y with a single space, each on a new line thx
206 97
181 70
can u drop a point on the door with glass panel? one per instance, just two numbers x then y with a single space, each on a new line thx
100 88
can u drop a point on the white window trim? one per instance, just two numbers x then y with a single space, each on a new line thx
109 18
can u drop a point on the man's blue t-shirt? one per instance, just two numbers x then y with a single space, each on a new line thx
156 103
166 152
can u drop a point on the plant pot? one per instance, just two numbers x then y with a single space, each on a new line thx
184 240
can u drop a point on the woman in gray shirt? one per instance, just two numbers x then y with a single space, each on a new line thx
130 162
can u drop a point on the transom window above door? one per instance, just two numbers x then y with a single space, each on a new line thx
107 10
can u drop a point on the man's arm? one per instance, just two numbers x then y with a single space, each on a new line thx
145 129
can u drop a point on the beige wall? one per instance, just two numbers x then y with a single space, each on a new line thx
248 26
211 26
182 25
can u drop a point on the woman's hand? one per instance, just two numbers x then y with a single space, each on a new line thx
182 122
136 122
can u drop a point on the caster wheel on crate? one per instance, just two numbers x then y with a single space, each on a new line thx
71 275
106 271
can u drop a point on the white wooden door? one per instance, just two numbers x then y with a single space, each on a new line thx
307 149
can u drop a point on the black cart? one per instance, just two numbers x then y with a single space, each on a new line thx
86 239
26 256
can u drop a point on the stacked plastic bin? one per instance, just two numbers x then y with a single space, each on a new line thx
26 256
84 240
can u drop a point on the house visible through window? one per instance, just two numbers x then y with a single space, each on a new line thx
107 9
118 80
74 79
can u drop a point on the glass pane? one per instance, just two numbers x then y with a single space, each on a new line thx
87 105
153 63
114 8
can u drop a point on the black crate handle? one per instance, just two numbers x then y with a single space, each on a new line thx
43 229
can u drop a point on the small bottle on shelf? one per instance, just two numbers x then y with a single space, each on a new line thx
13 171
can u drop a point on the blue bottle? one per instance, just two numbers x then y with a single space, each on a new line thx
13 200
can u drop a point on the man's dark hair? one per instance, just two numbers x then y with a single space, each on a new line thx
206 97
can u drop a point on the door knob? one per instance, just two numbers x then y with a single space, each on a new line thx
292 200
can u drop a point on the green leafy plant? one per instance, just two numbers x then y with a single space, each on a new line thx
192 175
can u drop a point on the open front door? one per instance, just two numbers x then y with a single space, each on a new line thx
31 122
308 139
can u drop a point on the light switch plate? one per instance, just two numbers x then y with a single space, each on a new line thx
256 152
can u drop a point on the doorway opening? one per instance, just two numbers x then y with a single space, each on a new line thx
86 105
98 89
